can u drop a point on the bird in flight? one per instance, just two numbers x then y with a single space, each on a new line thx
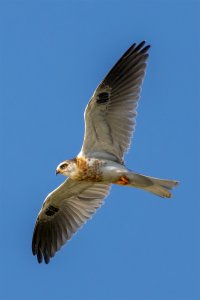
110 118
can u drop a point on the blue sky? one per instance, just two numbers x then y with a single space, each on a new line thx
52 56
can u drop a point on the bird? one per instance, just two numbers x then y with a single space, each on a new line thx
110 120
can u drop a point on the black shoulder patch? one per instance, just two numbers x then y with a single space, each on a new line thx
51 210
103 97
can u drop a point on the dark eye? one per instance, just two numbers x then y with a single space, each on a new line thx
63 166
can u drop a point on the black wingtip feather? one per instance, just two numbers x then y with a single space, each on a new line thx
139 46
39 254
130 50
34 243
46 258
145 49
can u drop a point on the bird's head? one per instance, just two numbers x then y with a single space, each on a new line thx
65 167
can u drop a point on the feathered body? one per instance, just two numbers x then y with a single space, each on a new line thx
107 171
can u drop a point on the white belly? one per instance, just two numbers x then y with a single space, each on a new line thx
112 171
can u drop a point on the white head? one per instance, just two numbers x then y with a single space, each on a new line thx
66 167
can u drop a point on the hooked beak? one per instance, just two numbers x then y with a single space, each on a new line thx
57 171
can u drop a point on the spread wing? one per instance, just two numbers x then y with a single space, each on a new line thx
110 115
64 211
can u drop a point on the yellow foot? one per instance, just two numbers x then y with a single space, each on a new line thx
123 180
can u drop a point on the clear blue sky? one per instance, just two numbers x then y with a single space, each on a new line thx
52 56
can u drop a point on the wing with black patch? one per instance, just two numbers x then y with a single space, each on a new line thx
110 116
64 211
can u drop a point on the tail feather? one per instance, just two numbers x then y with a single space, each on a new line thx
160 187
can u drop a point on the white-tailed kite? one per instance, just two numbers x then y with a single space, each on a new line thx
109 124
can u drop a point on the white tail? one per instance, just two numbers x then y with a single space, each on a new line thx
160 187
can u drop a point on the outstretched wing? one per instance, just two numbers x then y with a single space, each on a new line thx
64 211
110 114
